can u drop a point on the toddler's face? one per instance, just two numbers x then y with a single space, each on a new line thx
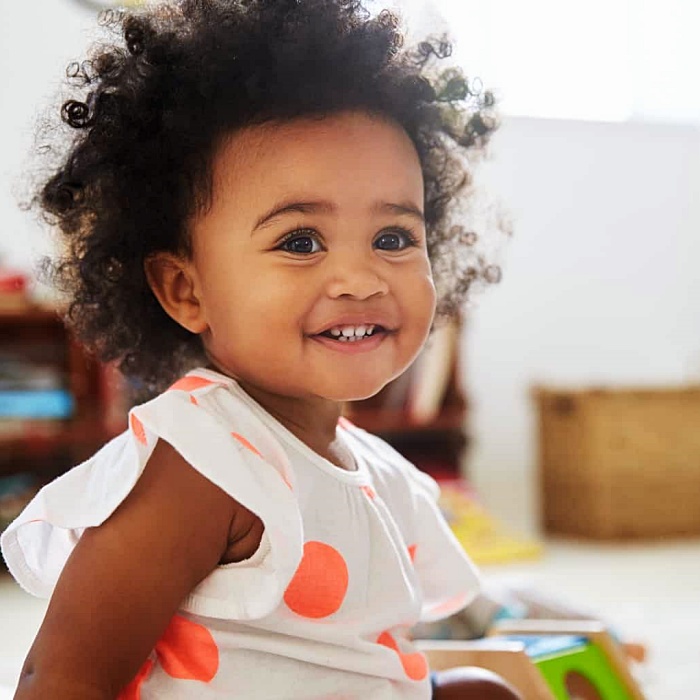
315 233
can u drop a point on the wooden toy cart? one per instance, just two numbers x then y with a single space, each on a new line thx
546 659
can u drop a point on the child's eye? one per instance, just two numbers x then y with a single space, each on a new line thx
395 239
302 242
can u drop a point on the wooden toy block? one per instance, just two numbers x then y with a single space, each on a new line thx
573 667
545 659
594 668
506 658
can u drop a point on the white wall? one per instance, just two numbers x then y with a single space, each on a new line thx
37 41
600 283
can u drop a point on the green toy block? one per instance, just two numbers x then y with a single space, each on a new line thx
573 666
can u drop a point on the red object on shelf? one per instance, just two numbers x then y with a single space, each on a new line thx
13 290
12 282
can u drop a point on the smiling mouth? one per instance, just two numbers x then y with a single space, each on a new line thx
358 334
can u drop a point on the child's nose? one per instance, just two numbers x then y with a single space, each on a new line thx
355 275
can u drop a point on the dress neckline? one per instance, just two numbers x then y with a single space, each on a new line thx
359 475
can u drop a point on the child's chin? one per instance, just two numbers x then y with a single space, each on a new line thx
357 392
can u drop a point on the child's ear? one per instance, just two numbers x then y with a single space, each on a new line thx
173 282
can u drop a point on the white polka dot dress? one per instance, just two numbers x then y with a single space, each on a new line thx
348 563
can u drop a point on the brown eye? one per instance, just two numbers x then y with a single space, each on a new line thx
301 243
395 239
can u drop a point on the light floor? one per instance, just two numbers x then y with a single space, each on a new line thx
649 593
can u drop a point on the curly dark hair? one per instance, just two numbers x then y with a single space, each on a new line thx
155 103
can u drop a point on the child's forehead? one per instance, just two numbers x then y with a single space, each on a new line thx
349 165
318 148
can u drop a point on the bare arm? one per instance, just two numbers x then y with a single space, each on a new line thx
125 580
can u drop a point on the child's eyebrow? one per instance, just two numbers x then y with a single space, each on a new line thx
287 207
402 208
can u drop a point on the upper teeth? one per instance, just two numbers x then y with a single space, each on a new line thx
351 332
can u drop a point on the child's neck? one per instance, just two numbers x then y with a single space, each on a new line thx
313 421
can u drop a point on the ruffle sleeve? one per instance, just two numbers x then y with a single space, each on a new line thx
448 579
217 435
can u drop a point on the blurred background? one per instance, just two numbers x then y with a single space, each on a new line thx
598 162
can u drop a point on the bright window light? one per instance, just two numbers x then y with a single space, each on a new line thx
606 60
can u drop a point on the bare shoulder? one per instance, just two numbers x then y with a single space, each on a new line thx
190 518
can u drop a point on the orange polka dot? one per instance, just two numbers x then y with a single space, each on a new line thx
138 429
369 491
412 551
188 651
132 691
320 583
414 664
246 444
190 383
193 400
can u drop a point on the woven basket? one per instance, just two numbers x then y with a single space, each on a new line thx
619 463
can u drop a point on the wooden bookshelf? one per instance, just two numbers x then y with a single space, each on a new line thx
48 446
435 444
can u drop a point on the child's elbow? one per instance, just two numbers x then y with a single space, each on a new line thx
38 683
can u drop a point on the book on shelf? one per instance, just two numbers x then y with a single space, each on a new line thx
431 374
29 429
31 390
44 404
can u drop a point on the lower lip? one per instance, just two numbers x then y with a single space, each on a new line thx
352 347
